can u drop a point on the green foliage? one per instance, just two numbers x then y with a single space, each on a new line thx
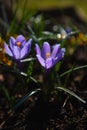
33 25
73 69
71 93
19 21
25 98
29 71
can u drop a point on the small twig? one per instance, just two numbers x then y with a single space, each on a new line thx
65 101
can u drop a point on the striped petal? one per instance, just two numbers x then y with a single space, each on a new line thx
12 42
45 50
26 49
60 55
21 39
41 60
55 51
37 48
7 50
49 63
16 53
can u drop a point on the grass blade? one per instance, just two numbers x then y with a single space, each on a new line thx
71 70
28 59
71 93
25 98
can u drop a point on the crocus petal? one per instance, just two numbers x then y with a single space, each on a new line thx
62 51
16 53
7 50
29 44
26 49
12 42
45 50
60 55
37 48
23 43
41 60
49 63
21 39
56 50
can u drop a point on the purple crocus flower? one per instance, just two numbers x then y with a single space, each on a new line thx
18 48
47 58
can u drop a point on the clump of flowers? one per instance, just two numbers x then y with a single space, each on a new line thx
48 56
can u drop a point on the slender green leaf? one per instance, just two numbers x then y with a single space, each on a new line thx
71 70
71 93
31 30
34 80
47 33
28 59
25 98
22 73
